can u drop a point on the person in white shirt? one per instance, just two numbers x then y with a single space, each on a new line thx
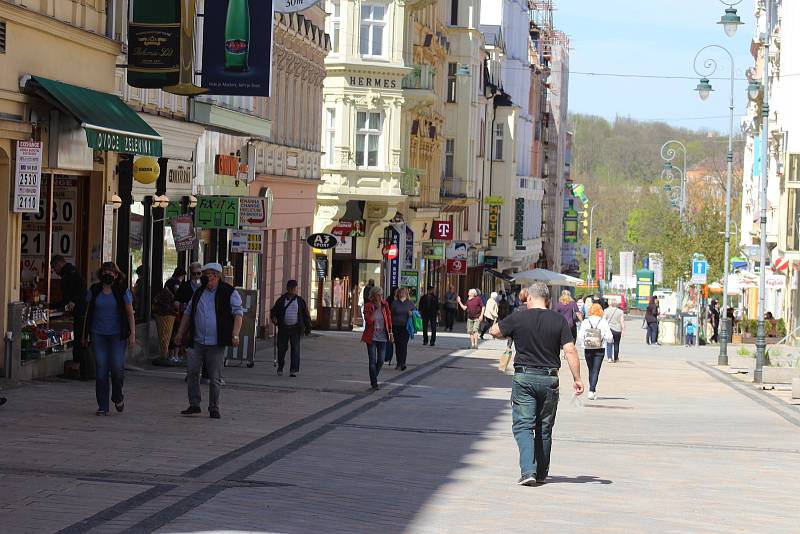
592 336
616 321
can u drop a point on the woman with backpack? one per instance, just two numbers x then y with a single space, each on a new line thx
593 336
111 329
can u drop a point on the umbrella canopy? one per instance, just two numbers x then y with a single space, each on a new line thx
543 275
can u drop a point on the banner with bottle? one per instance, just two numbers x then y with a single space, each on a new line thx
237 47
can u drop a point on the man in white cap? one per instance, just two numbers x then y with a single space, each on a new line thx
213 319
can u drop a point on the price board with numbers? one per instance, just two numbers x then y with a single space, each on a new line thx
217 212
247 241
28 177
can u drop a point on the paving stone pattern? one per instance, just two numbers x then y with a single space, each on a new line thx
671 445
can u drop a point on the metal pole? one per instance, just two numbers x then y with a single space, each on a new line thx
725 327
668 154
761 341
684 182
591 249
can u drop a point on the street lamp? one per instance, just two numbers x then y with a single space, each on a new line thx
668 154
761 340
709 67
704 89
730 21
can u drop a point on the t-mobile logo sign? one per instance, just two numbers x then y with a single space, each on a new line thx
442 230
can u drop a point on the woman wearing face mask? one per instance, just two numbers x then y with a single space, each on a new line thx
111 328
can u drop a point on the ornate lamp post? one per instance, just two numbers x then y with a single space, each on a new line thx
704 89
761 340
668 154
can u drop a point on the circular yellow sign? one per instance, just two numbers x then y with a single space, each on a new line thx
146 170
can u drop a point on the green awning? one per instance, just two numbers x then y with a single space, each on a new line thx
109 123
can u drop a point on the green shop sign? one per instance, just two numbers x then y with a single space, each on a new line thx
123 142
217 212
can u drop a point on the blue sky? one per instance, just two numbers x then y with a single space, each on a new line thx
653 37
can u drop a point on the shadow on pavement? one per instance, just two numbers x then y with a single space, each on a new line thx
582 479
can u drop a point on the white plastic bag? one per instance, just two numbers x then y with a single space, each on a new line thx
577 400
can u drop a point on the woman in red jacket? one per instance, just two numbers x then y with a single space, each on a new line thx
377 332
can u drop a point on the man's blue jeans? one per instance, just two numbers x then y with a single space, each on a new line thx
376 352
534 401
109 358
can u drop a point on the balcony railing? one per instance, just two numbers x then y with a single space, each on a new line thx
422 77
454 187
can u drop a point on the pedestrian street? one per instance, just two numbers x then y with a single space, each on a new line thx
671 445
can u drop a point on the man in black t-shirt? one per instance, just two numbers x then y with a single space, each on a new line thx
539 335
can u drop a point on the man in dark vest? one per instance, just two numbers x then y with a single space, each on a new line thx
73 300
213 319
290 315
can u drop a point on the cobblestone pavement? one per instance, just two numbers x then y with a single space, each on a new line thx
671 445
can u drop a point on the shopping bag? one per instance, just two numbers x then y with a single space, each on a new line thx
410 328
417 319
505 359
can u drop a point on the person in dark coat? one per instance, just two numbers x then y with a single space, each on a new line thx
429 310
73 300
290 315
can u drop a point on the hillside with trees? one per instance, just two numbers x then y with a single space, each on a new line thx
621 160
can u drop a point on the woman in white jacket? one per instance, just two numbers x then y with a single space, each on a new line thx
593 336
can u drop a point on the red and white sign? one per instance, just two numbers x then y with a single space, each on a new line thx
390 252
781 264
347 228
775 281
255 211
442 230
457 266
600 264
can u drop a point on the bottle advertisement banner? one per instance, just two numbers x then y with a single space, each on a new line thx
237 47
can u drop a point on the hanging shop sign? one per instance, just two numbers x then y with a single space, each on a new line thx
322 241
183 232
410 280
600 264
408 253
154 43
348 228
494 200
136 231
217 212
255 211
392 253
179 178
293 6
146 170
490 261
519 223
247 241
494 222
236 60
457 250
775 281
433 251
442 230
570 226
28 177
321 266
457 266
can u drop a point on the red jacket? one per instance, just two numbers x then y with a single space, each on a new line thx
369 328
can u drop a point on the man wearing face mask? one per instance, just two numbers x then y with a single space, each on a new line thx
213 320
183 296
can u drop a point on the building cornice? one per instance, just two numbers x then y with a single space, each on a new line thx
60 29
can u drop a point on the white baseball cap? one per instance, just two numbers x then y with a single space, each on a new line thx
214 266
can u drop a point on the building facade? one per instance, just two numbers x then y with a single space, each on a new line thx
783 163
63 99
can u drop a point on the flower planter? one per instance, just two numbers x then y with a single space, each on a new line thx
780 375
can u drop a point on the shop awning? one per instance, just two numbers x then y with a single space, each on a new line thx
498 274
109 123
